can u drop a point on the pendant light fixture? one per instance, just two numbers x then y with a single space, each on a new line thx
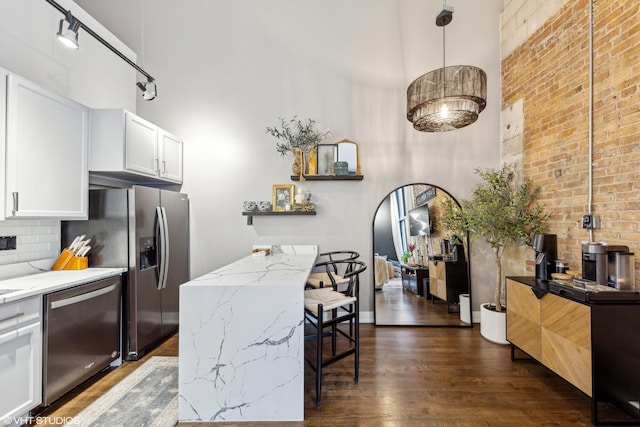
447 98
68 34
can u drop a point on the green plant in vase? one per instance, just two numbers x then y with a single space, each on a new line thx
298 138
409 253
500 212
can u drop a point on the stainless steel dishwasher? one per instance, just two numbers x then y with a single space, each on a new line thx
81 334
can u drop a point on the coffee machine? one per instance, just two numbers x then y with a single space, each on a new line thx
546 247
608 265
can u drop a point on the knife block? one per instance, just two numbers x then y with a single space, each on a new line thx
63 259
77 263
68 261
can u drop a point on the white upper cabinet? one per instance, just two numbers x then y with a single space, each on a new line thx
128 147
46 173
170 148
141 146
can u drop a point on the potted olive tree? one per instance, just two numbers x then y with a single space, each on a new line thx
298 138
500 212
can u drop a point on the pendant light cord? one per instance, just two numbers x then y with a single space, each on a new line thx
444 51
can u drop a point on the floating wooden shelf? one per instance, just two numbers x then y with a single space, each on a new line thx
328 177
251 214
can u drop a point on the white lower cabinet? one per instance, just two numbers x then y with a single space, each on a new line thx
20 359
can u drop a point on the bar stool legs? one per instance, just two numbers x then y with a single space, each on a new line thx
341 307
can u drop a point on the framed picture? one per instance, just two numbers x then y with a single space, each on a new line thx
326 157
426 195
282 197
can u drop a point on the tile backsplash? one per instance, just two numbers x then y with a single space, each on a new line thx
35 239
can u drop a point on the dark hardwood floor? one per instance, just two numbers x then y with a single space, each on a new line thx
399 307
414 377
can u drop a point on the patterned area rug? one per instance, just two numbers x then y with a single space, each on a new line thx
147 397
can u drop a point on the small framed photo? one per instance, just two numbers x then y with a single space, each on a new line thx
326 157
282 197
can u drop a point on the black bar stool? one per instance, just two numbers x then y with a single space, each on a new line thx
338 306
318 279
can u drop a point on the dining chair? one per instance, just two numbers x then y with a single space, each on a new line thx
319 278
328 311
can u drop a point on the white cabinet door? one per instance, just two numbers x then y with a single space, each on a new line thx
127 147
170 147
3 147
141 153
46 158
20 371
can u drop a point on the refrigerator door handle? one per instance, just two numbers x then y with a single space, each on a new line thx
161 230
164 248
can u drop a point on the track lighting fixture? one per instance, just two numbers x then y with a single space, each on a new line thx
148 89
68 34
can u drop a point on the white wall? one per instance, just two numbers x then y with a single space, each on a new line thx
234 67
226 70
91 75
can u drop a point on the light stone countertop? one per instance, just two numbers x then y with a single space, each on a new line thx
241 340
34 279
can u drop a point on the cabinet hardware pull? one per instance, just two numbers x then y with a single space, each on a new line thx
13 316
15 202
157 164
82 297
164 167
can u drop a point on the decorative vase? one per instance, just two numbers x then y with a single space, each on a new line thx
312 168
493 324
296 168
298 163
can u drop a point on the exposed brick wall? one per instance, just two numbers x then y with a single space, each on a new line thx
520 19
550 74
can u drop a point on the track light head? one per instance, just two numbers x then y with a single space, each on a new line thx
445 16
148 88
68 31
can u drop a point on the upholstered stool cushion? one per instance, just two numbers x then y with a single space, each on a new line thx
315 279
329 299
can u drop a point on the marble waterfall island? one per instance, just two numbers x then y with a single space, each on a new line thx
241 341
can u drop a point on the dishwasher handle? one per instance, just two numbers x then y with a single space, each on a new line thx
83 297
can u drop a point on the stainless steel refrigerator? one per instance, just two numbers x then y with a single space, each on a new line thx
145 230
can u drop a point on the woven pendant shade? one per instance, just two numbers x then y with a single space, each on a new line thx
447 98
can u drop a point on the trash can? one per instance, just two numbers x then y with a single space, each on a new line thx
465 311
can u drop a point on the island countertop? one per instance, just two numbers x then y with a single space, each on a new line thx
241 340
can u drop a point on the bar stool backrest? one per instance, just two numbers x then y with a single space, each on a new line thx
346 269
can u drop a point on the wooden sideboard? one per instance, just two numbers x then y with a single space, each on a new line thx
448 279
592 345
554 330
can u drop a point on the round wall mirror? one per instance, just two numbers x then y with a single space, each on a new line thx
421 274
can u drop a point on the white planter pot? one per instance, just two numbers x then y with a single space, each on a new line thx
493 325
